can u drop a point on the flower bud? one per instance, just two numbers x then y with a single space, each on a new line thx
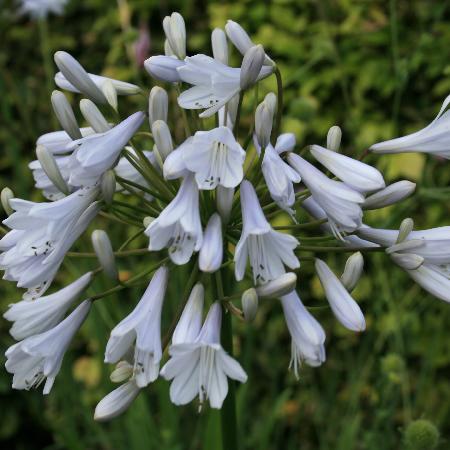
263 124
211 252
147 221
224 202
407 261
271 102
108 186
157 105
421 435
65 114
168 49
74 72
158 158
110 93
175 31
219 45
352 271
334 137
162 138
282 285
406 227
6 195
51 169
105 255
122 372
93 116
250 304
251 66
391 194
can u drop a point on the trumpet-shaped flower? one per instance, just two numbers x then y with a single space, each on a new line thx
433 139
214 156
353 173
142 327
202 367
308 336
268 250
340 202
342 304
178 227
39 357
94 155
32 317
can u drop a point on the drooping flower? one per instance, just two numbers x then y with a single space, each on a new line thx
32 317
94 155
39 357
202 367
178 227
268 250
354 173
340 202
307 334
41 235
214 156
433 139
342 304
142 327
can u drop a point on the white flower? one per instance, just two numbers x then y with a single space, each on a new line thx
214 83
342 304
32 317
40 356
278 175
164 68
434 138
178 227
41 235
267 250
308 336
175 31
211 253
352 271
202 367
282 285
391 194
38 9
57 141
95 154
142 326
190 323
117 401
340 202
434 279
353 173
214 156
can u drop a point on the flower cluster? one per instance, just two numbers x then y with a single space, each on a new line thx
208 200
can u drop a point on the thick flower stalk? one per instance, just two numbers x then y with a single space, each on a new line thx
244 213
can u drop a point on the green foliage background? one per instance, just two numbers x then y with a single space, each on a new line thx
376 68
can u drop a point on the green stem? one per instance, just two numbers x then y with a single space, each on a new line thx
280 104
238 113
228 411
311 248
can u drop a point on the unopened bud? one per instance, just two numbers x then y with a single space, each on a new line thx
158 158
122 372
175 31
219 45
168 49
51 169
74 72
147 221
110 93
105 255
163 68
421 435
93 116
224 202
391 194
334 137
157 105
405 246
250 304
251 66
352 271
6 195
232 107
65 114
407 261
406 227
162 138
211 252
108 186
263 124
271 102
280 286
